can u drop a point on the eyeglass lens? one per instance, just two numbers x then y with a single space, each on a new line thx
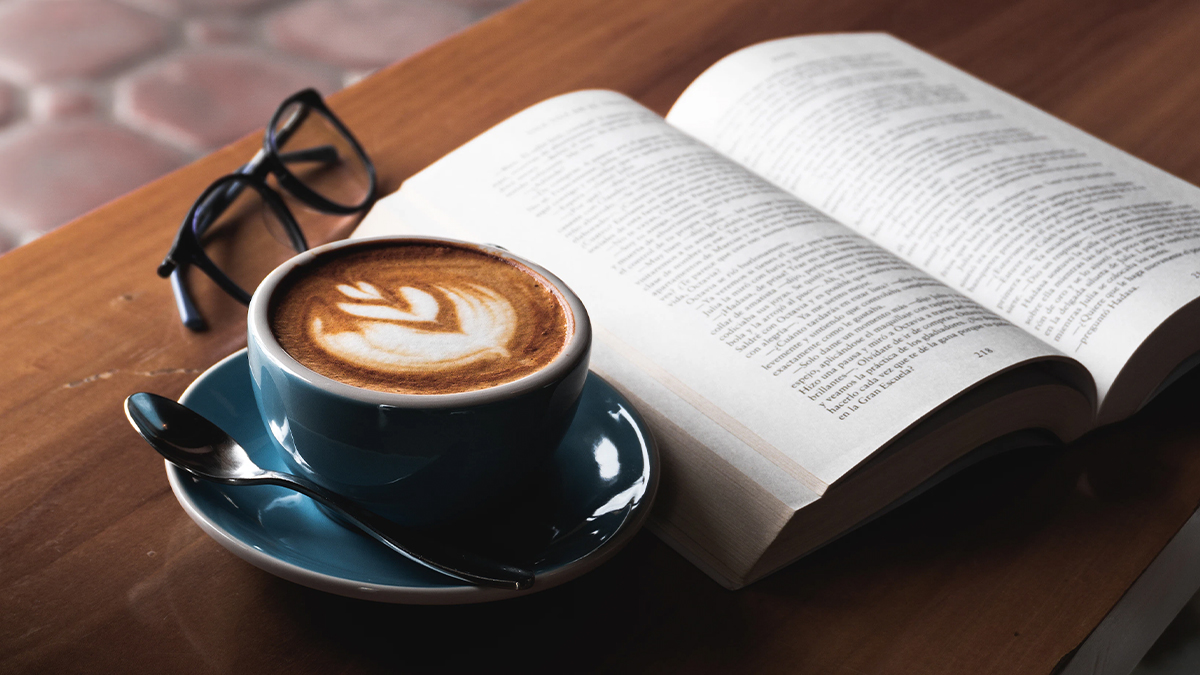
341 178
246 239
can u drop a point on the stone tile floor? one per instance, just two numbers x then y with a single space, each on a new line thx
98 97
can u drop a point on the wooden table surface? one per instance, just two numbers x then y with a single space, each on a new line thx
1005 569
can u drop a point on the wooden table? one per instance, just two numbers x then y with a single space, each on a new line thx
1006 569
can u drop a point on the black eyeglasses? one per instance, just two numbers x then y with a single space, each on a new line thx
313 157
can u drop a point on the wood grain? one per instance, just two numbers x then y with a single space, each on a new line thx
1005 569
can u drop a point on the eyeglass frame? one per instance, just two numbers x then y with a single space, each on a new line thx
187 250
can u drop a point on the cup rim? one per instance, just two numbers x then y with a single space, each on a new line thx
577 347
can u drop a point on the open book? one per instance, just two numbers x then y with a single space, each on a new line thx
837 271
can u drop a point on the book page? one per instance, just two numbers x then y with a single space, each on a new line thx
809 343
1075 241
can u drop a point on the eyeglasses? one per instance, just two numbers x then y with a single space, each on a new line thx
314 159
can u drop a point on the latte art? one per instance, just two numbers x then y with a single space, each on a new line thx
399 340
419 318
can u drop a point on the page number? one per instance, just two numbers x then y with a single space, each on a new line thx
983 352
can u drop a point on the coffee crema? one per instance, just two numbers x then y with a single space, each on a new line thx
419 318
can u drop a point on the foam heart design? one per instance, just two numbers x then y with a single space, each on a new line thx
385 339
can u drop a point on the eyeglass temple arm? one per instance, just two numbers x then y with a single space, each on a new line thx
188 314
325 154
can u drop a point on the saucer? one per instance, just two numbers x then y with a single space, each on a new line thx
582 509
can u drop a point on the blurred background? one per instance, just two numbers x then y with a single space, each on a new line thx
98 97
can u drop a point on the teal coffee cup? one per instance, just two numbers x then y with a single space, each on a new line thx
423 378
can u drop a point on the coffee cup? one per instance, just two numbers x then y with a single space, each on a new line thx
423 378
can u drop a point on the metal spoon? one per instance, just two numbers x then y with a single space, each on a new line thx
196 445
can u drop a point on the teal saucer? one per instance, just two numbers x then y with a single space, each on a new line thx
586 505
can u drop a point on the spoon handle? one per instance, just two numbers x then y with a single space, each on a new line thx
411 543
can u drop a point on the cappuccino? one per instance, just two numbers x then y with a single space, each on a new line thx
419 318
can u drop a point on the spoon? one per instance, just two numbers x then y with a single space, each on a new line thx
192 443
